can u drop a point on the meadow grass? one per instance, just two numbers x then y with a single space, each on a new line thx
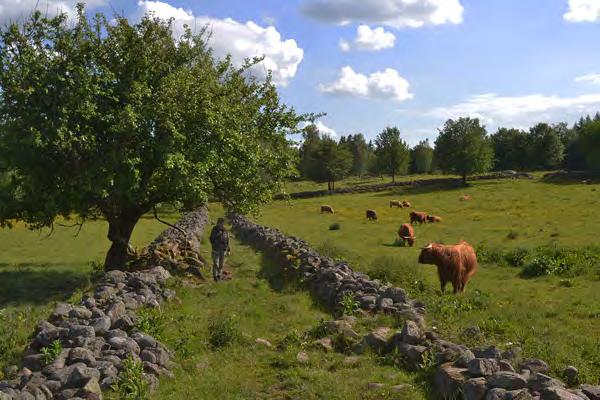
556 318
37 270
261 303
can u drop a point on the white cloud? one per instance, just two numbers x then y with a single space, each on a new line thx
19 10
583 11
323 129
387 84
588 78
370 39
520 111
396 13
241 40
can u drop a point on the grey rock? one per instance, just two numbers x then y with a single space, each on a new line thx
377 339
522 394
557 393
116 310
538 382
81 331
463 360
80 375
115 333
124 343
116 276
505 365
507 380
496 394
571 374
474 389
396 294
124 323
593 392
483 366
144 340
367 302
81 355
80 313
34 362
535 366
61 311
101 325
91 387
148 356
412 333
449 380
487 352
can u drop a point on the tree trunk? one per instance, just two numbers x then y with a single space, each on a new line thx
464 179
119 233
393 177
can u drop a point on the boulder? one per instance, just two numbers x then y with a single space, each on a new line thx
91 389
506 380
412 333
483 366
101 325
571 374
535 366
116 310
144 340
557 393
538 382
80 375
449 380
81 355
593 392
474 389
124 343
80 313
377 339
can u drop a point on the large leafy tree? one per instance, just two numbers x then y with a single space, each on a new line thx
333 161
421 157
358 147
510 149
392 152
463 148
590 144
546 148
109 119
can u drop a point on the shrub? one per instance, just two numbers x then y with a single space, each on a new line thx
335 227
131 383
485 255
150 321
406 275
516 257
223 331
318 331
50 353
347 305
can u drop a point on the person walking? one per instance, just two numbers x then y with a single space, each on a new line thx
219 240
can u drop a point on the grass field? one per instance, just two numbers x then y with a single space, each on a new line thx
37 270
555 317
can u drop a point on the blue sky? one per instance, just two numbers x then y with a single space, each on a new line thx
416 62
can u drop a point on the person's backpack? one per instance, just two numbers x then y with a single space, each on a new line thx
220 239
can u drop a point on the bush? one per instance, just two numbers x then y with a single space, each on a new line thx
406 275
347 305
485 255
223 331
150 321
131 383
516 257
335 227
318 331
50 353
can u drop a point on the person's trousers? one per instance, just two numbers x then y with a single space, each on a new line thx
218 257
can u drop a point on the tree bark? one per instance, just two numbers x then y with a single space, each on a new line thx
120 229
464 179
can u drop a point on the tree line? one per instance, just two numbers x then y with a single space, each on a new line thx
463 147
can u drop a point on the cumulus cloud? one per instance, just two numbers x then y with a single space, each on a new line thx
323 129
588 78
520 111
386 84
241 40
583 11
370 39
19 10
395 13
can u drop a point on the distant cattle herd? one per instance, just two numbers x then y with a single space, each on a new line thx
456 264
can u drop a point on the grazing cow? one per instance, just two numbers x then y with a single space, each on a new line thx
372 215
417 216
395 203
465 197
407 234
455 263
433 218
406 204
327 209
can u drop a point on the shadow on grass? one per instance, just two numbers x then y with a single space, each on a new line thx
37 284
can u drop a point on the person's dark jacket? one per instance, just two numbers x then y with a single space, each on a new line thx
219 238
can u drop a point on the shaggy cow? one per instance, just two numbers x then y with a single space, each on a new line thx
327 209
465 197
406 204
417 216
395 203
371 215
407 234
433 218
455 263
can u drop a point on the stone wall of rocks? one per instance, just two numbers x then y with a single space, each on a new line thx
98 334
381 187
485 373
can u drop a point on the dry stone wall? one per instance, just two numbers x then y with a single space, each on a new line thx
485 373
98 334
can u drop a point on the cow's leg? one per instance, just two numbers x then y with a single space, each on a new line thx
443 285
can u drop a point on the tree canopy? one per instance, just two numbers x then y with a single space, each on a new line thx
421 157
463 148
590 144
392 152
109 119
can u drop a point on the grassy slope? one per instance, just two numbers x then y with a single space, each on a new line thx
266 307
36 271
560 324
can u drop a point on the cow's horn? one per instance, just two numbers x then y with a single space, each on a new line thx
429 246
